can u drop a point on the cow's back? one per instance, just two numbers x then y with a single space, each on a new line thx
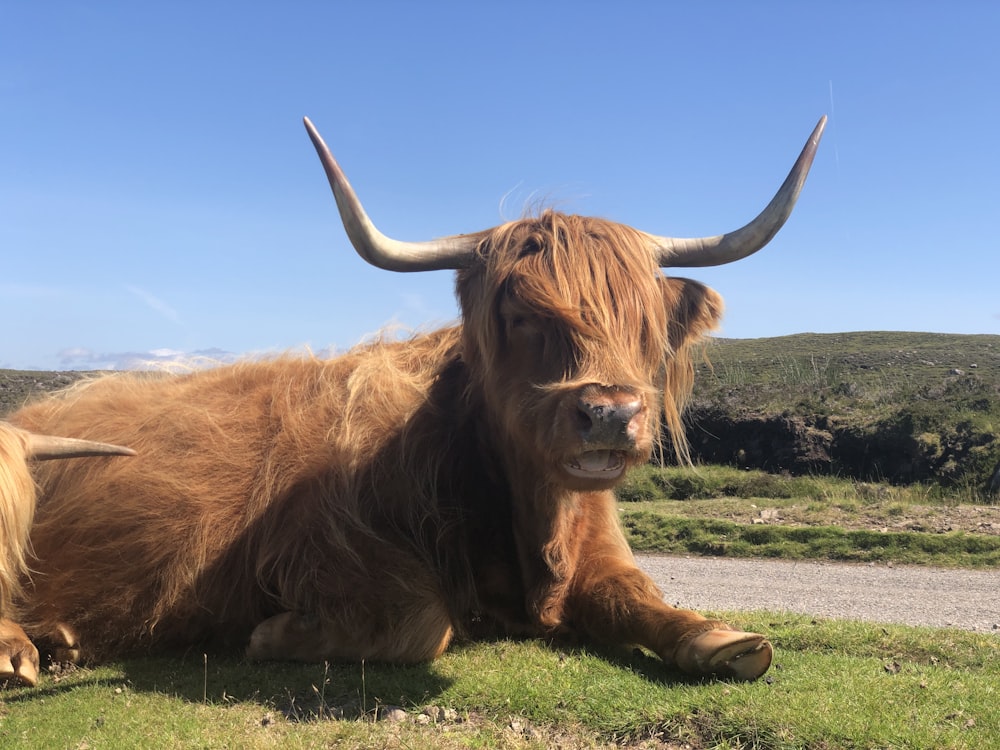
242 472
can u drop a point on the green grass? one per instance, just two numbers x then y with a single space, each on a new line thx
651 532
872 369
714 481
834 684
653 483
722 511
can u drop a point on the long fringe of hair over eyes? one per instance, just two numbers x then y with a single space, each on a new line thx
599 281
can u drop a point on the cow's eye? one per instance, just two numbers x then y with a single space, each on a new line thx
524 332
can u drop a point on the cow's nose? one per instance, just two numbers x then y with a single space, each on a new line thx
608 416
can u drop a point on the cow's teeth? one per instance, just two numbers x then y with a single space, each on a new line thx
596 465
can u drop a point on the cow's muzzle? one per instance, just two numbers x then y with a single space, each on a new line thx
609 420
609 416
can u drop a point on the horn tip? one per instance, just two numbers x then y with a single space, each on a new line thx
820 127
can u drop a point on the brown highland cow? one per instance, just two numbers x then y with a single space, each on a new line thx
378 504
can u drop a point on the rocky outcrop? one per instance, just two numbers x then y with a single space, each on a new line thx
899 449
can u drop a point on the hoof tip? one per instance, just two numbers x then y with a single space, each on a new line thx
743 656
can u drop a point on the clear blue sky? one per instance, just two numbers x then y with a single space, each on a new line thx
158 194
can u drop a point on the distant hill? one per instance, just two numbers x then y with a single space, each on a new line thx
17 386
900 407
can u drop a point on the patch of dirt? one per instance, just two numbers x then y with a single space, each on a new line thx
934 519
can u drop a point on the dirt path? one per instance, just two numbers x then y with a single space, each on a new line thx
908 595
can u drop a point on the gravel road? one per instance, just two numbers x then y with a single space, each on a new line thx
908 595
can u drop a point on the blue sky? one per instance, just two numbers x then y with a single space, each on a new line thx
159 196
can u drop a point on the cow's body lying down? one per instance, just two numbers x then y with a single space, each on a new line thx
377 504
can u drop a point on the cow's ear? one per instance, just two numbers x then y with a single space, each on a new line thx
693 310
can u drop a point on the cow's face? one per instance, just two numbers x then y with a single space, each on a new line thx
573 336
579 344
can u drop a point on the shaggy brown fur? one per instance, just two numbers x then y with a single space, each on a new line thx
17 509
373 505
18 656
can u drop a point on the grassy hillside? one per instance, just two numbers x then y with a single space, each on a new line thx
900 407
845 372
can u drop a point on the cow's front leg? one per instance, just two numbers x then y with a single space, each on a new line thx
611 600
615 602
18 655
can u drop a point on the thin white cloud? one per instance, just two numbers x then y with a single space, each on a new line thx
76 353
155 303
80 358
166 353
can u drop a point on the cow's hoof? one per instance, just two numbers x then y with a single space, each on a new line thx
18 661
64 644
744 656
289 635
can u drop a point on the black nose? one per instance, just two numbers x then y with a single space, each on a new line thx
607 416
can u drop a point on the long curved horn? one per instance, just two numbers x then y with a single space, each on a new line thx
381 251
726 248
47 447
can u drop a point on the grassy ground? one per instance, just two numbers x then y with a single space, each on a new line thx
835 684
724 511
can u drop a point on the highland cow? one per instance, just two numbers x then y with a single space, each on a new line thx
379 504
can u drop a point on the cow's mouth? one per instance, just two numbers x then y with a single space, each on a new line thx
596 465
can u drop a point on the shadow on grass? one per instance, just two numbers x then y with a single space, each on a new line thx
13 692
309 692
302 692
640 662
